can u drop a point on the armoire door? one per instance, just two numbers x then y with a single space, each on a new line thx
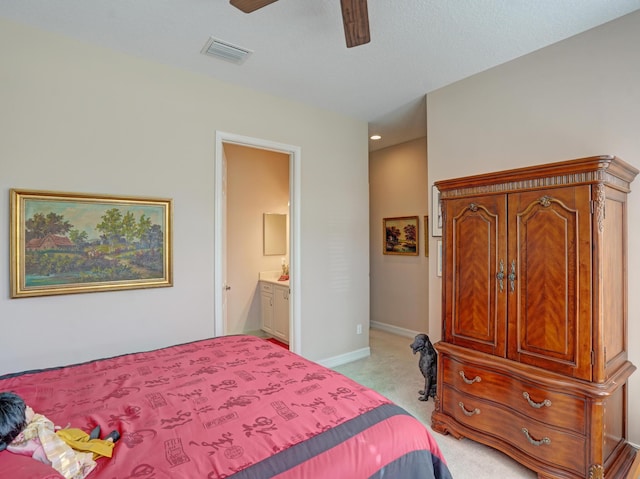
550 279
476 273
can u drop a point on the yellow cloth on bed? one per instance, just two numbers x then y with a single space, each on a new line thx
80 441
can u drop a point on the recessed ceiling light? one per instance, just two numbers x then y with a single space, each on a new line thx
375 137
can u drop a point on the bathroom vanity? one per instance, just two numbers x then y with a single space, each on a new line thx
274 305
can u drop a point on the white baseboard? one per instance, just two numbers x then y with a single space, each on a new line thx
345 358
390 328
366 352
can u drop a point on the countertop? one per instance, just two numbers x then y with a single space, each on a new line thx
272 277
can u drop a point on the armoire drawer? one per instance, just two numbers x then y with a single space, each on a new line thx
541 442
561 410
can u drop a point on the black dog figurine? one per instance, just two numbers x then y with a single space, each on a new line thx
428 365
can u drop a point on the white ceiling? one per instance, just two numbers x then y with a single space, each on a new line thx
299 49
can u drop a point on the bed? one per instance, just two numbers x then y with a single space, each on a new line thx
234 406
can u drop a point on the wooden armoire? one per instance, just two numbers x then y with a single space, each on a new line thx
533 356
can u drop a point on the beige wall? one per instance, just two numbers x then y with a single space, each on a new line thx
573 99
257 183
398 186
81 118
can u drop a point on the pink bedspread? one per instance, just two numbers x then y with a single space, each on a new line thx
230 405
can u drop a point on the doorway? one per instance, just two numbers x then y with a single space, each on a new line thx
221 288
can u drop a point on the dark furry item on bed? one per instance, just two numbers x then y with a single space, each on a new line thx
428 364
12 418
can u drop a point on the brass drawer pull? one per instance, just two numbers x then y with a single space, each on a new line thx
537 405
512 276
477 379
500 276
544 440
466 412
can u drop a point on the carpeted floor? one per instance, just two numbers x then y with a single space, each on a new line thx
392 370
278 343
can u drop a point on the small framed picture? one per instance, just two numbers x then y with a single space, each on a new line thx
426 235
436 208
400 235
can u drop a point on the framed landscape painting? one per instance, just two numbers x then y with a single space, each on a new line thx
400 235
63 243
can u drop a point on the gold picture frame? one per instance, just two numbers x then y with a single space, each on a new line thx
426 236
64 243
400 235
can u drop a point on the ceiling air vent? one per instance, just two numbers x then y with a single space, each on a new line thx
226 51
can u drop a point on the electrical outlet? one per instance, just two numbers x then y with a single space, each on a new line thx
359 329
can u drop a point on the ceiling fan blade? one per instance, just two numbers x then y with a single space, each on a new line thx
248 6
356 22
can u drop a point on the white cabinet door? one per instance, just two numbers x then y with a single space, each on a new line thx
266 308
281 312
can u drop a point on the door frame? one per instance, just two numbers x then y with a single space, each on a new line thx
294 153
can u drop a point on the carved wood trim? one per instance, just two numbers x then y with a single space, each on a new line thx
598 176
600 202
596 471
609 170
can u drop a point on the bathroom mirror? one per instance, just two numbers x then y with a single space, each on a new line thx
275 234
